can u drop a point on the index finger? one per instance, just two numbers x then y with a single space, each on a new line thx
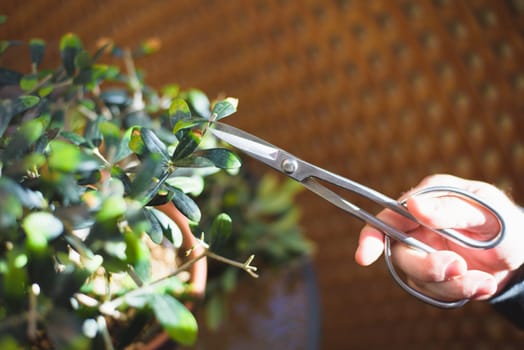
371 240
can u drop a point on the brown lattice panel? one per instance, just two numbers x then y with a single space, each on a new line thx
384 92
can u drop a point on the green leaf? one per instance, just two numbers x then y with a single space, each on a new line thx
225 108
37 49
11 108
184 124
123 149
41 227
185 204
155 232
45 90
28 82
83 60
221 230
26 135
66 157
112 207
144 186
170 91
153 144
175 318
189 184
217 157
74 138
138 256
14 277
178 110
187 145
198 103
136 144
70 46
10 208
170 229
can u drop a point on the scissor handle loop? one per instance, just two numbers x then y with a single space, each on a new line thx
450 234
457 236
412 291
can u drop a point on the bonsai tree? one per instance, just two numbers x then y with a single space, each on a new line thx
98 174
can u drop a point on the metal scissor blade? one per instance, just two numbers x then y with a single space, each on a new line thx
246 142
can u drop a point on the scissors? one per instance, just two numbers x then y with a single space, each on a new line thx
310 176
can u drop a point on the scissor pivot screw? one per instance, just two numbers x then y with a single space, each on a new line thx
289 166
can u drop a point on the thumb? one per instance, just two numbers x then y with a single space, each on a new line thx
447 210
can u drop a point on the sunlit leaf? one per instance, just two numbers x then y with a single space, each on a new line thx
112 207
189 184
198 103
225 108
37 49
41 227
14 278
170 229
28 82
217 157
170 91
45 90
178 110
136 144
184 124
70 46
66 157
178 322
138 256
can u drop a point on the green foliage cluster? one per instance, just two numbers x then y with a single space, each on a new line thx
266 223
87 151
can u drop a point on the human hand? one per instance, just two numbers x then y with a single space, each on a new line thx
452 272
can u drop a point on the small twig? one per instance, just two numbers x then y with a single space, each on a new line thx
32 314
138 101
40 84
246 266
99 155
102 326
92 116
134 276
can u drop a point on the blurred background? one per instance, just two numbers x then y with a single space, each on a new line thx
383 92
